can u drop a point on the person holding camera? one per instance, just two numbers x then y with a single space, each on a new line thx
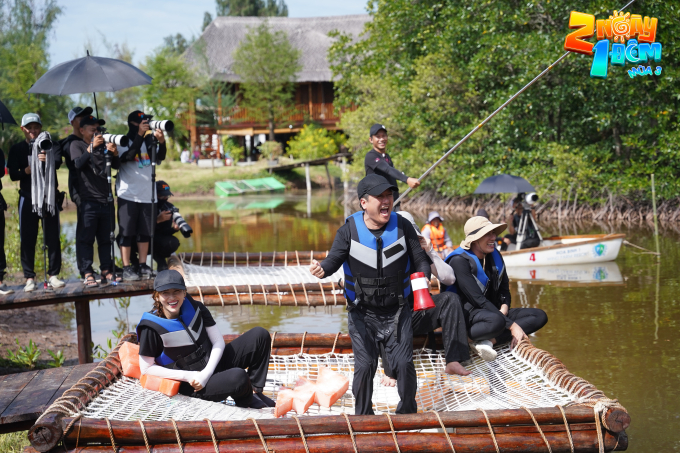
133 187
74 116
96 208
513 220
34 163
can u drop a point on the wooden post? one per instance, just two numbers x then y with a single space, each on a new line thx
309 181
84 331
656 225
331 183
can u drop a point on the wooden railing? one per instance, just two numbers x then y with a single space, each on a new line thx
294 114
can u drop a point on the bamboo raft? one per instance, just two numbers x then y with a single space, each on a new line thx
595 424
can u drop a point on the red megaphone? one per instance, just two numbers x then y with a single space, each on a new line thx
421 294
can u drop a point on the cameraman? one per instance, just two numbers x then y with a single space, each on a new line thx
513 221
164 241
29 221
74 116
96 211
133 185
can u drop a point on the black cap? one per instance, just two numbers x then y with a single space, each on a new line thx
377 128
169 279
136 116
163 189
89 119
374 185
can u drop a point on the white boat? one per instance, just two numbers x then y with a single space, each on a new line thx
561 250
595 274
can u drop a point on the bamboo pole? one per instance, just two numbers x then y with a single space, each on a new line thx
656 224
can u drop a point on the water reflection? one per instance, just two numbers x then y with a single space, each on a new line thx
615 325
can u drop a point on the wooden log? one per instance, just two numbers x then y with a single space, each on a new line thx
290 258
584 441
84 331
129 433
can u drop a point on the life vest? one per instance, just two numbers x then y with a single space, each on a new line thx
477 269
377 269
436 236
186 345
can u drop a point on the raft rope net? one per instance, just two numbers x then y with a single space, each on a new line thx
524 377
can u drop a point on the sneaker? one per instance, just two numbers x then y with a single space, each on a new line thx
145 271
129 274
30 285
4 289
55 282
485 350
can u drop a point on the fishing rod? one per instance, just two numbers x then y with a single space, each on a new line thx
488 118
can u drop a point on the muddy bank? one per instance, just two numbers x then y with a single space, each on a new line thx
49 327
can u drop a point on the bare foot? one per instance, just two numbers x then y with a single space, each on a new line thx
388 381
456 368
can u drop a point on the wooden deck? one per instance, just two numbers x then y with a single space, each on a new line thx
24 396
311 163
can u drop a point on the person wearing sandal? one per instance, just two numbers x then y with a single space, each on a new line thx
180 340
96 209
484 290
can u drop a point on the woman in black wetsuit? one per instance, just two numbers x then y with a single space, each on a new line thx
179 340
483 286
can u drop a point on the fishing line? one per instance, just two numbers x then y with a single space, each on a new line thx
488 118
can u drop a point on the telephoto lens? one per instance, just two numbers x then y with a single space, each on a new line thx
531 198
164 125
118 140
45 144
184 227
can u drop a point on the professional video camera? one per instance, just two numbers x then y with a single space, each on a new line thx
530 200
184 227
164 125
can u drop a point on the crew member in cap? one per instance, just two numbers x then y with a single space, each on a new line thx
435 232
179 339
483 286
74 117
164 241
96 210
22 161
133 187
378 251
379 162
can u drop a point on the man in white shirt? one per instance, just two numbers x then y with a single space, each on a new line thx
134 190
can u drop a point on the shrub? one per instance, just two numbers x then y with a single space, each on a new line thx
271 150
314 142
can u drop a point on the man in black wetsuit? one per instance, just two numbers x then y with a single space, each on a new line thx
378 250
379 162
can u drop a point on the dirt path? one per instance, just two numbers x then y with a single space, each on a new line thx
49 328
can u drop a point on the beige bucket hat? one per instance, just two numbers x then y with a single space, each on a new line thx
476 227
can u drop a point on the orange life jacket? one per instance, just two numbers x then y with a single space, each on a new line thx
436 236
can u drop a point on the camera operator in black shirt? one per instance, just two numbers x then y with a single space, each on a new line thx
168 222
96 200
74 116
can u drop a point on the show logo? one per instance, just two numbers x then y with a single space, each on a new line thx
633 41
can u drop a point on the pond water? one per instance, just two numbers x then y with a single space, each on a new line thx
620 335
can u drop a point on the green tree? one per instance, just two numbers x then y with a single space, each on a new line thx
267 64
252 8
25 29
432 70
172 91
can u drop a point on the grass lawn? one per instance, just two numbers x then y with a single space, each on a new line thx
14 442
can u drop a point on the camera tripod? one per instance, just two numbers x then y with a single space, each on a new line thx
525 223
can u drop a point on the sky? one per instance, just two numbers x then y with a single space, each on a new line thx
143 24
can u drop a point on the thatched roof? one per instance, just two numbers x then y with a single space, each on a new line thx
310 34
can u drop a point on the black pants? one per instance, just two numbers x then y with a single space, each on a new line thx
447 314
96 221
163 247
29 222
370 332
3 258
134 220
486 324
251 350
79 226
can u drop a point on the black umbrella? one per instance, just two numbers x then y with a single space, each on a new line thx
504 184
5 116
89 75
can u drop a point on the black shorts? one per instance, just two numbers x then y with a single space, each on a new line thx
134 219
